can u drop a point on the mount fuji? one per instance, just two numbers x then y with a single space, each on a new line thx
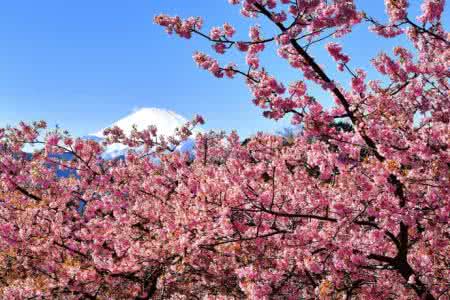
166 121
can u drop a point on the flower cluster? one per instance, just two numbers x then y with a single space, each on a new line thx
335 51
181 27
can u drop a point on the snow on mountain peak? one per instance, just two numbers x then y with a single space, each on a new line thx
165 120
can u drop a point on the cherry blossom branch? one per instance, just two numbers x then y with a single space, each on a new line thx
427 31
231 42
325 78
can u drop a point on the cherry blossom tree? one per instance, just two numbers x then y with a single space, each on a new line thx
354 206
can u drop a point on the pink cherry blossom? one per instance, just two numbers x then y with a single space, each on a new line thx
353 205
228 30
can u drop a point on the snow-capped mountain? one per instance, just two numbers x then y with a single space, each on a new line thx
166 121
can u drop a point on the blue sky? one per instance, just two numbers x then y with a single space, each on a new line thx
84 64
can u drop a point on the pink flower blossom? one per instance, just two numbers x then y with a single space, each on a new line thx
335 51
228 30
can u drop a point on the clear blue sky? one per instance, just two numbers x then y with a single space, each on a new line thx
84 64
